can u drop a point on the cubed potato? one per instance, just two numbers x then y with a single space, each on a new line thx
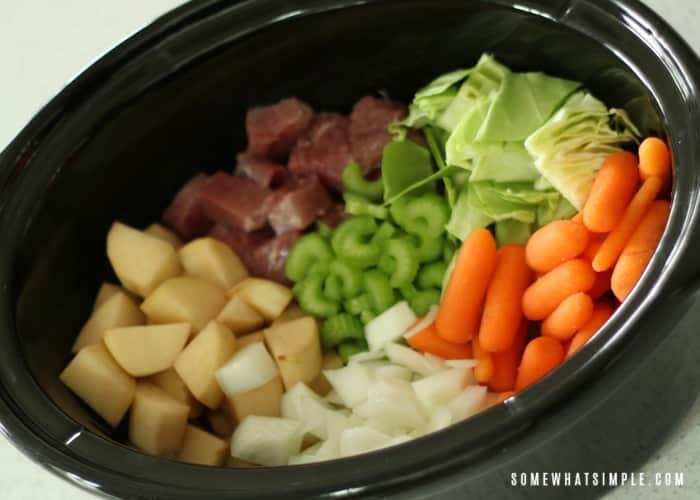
220 423
145 350
214 261
116 311
171 383
249 338
263 401
185 299
296 348
267 297
240 317
158 421
140 261
106 291
165 234
330 361
96 378
204 355
292 312
202 448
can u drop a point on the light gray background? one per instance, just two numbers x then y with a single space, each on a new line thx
45 43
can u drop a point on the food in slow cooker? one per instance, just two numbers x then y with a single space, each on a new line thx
363 280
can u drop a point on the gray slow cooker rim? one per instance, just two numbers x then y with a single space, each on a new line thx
72 463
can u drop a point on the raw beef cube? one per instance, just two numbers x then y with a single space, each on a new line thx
185 214
368 132
272 130
298 206
236 201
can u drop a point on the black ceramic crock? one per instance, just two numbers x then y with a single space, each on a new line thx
170 101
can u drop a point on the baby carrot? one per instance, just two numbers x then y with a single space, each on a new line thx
503 311
541 356
545 294
654 159
505 395
639 249
484 370
601 313
594 243
428 340
460 310
555 243
505 364
578 218
601 285
610 250
569 316
613 188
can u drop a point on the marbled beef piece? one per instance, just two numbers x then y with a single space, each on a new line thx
334 215
234 200
323 150
243 243
297 206
368 132
267 173
185 214
273 130
271 257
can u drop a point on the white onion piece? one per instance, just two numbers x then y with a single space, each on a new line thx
333 398
428 320
248 369
439 419
389 325
435 361
414 361
393 404
303 458
461 363
350 382
436 390
269 441
468 402
361 357
361 440
390 370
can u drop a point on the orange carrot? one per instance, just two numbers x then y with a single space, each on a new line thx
541 356
594 243
428 340
460 310
555 243
503 311
484 370
601 313
505 364
639 249
610 250
545 294
654 159
578 218
505 395
613 188
601 285
569 316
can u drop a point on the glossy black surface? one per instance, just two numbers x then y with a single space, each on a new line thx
170 101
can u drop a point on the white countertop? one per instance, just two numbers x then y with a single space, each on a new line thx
45 43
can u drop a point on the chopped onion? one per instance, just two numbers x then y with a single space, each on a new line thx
333 398
468 402
390 370
440 418
428 320
414 361
438 389
361 440
266 441
350 382
248 369
361 357
461 363
393 403
389 325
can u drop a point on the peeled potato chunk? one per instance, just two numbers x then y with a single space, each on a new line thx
140 261
145 350
158 421
264 401
292 312
97 379
269 298
213 261
164 234
170 382
249 338
184 299
116 311
106 291
203 448
296 347
240 317
220 422
204 355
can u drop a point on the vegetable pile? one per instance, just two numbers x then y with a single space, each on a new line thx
410 268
